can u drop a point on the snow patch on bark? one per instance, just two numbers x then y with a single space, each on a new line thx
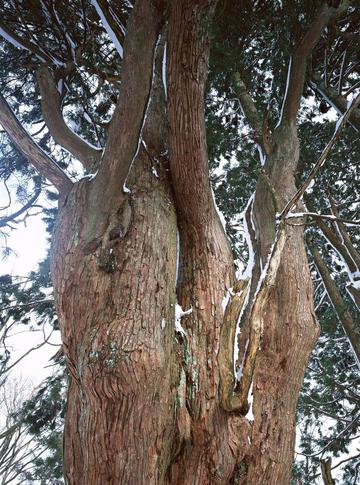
179 313
250 415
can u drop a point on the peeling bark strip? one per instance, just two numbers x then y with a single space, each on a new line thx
31 150
228 400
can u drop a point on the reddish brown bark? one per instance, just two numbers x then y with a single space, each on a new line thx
144 401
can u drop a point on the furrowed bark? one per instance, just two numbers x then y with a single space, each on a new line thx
218 439
31 150
274 371
124 136
228 400
350 327
87 154
126 388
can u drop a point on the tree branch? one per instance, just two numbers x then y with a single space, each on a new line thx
248 107
228 399
326 471
124 136
297 69
349 325
87 154
339 126
187 68
24 208
31 150
114 26
237 399
26 44
338 102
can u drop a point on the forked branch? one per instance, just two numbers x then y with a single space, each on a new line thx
125 130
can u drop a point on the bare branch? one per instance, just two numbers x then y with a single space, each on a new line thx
315 215
31 150
87 154
24 208
339 126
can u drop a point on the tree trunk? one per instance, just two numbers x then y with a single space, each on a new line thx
144 400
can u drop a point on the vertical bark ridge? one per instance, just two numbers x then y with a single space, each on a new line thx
211 452
115 299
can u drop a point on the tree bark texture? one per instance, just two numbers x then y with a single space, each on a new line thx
144 400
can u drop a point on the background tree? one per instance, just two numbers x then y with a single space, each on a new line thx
139 245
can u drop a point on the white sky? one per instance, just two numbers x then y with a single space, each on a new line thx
29 244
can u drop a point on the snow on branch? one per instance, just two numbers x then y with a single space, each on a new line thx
28 45
350 327
320 162
114 28
31 150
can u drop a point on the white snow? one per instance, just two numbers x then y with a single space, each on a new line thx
286 93
154 172
237 333
87 118
163 323
251 261
220 214
179 313
250 415
226 299
108 29
241 368
164 71
177 257
126 189
261 155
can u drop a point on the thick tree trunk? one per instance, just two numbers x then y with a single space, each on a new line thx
116 302
144 400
